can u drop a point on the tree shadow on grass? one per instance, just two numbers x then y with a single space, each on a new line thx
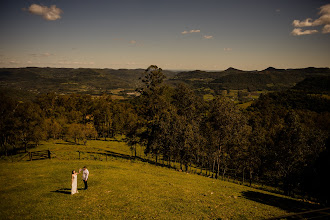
287 204
68 143
128 157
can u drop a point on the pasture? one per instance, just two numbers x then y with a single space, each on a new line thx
120 188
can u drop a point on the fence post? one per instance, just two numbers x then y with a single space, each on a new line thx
49 156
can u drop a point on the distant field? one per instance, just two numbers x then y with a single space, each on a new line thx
125 189
245 105
208 97
244 100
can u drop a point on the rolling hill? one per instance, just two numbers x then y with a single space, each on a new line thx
68 80
270 79
98 81
315 84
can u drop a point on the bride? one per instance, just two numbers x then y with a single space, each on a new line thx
74 182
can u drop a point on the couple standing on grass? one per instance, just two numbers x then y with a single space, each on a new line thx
74 188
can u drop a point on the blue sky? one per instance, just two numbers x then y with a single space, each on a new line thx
172 34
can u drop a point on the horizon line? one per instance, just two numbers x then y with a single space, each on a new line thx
170 69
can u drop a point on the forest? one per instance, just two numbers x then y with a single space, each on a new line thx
281 140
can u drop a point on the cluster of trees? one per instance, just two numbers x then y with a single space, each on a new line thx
276 141
73 117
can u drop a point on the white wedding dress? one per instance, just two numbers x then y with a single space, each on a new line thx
74 185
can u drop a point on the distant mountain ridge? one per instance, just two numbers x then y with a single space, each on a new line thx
98 81
268 79
69 80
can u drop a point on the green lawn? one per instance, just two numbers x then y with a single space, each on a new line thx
125 189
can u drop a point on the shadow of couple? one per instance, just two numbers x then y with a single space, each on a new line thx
65 190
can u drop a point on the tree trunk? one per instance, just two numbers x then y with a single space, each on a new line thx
25 146
213 168
218 168
250 177
190 165
135 149
287 188
218 161
243 176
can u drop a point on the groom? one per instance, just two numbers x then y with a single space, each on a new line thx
85 176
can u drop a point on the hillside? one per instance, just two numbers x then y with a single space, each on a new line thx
238 85
126 189
68 80
316 85
270 79
97 81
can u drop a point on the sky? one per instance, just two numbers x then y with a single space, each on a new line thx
172 34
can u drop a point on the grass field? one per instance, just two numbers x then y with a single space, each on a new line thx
126 189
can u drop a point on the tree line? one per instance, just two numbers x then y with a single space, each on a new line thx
275 141
74 117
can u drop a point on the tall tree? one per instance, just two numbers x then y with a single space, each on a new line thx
153 103
224 129
295 148
188 107
103 115
30 124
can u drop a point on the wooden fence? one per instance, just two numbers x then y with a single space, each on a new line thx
38 155
47 154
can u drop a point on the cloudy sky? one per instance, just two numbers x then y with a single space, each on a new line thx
172 34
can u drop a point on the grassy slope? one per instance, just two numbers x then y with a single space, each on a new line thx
123 189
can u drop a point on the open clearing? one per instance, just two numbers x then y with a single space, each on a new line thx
127 189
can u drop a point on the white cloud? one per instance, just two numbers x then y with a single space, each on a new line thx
50 14
68 62
191 31
195 31
42 54
306 23
131 63
227 49
299 31
207 37
132 42
325 15
47 54
325 9
326 29
324 19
